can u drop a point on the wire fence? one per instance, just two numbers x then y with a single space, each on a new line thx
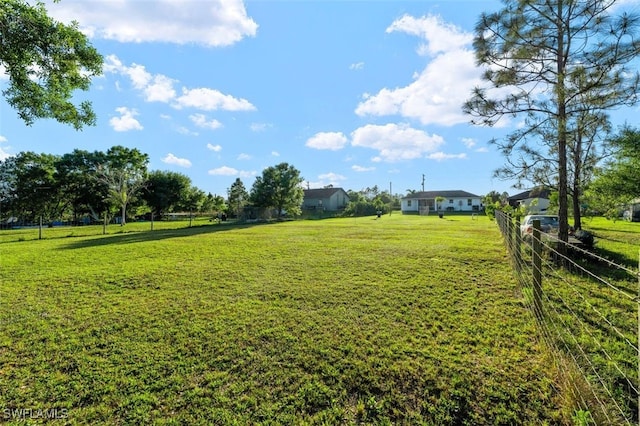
588 311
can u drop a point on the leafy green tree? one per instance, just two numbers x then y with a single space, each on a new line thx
30 187
164 190
280 188
76 173
237 197
213 204
548 60
46 62
192 199
618 182
124 173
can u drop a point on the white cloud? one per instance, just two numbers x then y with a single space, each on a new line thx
230 171
356 66
328 179
333 141
437 93
357 168
440 36
155 88
215 148
3 154
200 120
126 121
185 131
211 99
395 142
224 171
482 149
275 153
441 156
172 159
332 177
469 142
160 88
260 127
3 73
211 23
244 156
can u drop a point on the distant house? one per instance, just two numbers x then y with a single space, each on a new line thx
535 200
325 199
632 211
454 200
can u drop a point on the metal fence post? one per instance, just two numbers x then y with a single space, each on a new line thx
537 269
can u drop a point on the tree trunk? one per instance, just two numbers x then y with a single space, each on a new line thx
576 192
563 208
124 215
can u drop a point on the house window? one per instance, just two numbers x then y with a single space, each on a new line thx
408 203
450 201
469 201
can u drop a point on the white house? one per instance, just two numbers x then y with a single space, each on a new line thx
632 211
534 200
325 199
454 200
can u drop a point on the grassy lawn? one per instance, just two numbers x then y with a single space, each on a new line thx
619 241
400 320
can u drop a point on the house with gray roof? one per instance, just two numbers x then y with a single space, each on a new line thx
325 199
424 202
534 200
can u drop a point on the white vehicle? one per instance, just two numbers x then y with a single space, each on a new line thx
549 224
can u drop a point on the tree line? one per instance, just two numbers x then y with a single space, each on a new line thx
83 186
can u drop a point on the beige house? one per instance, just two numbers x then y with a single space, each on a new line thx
325 199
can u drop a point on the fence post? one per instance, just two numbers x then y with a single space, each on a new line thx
518 244
537 270
40 228
509 234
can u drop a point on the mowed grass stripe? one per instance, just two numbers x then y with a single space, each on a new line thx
404 319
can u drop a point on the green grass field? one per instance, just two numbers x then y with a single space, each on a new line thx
400 320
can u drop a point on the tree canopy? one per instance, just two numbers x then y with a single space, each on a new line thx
46 61
552 64
237 197
618 182
279 188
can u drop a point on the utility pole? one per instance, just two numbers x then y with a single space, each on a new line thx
423 182
391 201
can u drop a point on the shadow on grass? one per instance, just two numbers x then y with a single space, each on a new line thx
145 236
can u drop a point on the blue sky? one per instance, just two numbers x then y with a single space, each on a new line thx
351 93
